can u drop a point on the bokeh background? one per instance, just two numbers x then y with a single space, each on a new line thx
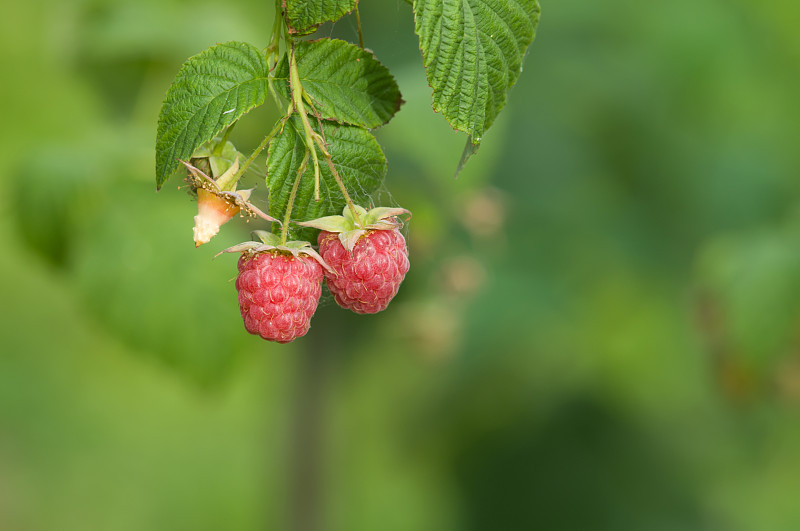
600 330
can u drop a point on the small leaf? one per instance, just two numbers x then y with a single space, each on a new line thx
473 52
345 83
211 91
303 16
357 158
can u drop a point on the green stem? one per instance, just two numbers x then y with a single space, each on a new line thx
292 195
264 143
358 24
339 181
273 50
312 139
299 107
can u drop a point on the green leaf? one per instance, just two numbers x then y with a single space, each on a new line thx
211 91
473 52
303 16
357 157
345 82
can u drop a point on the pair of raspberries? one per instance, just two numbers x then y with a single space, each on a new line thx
279 293
362 256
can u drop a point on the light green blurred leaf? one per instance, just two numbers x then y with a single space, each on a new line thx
751 281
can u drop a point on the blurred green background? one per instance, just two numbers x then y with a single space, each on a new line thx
600 330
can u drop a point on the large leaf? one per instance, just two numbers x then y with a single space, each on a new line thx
211 91
356 155
345 82
303 16
473 52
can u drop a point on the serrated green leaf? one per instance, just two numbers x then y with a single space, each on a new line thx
346 83
211 91
358 159
303 16
473 52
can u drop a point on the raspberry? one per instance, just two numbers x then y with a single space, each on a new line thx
366 279
278 294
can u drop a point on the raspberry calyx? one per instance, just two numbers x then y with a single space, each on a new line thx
350 230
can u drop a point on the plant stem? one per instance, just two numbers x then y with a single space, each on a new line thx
313 139
299 107
358 24
292 195
339 181
273 49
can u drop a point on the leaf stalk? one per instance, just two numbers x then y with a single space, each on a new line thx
358 25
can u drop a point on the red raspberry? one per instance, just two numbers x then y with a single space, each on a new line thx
278 294
367 279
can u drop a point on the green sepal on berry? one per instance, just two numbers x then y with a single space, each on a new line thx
350 229
270 242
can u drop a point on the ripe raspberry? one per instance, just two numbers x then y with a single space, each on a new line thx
366 279
278 294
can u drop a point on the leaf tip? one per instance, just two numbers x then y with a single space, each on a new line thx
470 148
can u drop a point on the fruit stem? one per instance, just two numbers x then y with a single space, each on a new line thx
358 24
258 150
347 199
313 139
299 108
292 196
